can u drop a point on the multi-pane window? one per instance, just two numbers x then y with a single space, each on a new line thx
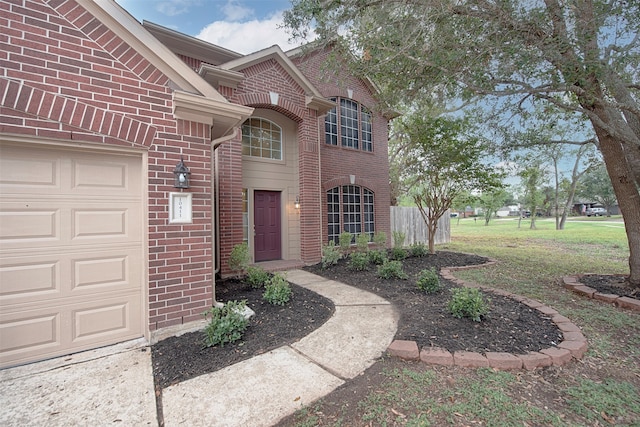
350 208
261 138
350 124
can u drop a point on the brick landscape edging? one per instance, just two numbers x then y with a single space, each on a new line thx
574 344
573 284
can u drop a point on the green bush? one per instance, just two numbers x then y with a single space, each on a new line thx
359 261
227 324
257 277
362 242
391 270
239 258
398 239
330 254
429 281
468 302
345 241
377 256
277 291
418 249
398 253
380 239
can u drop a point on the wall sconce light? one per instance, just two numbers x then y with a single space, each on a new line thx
181 173
297 203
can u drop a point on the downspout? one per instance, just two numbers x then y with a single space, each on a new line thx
215 214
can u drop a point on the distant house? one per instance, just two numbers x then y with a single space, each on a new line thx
134 158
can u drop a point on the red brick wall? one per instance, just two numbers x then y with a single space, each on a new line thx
66 77
370 168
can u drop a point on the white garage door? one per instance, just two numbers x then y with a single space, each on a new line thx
71 255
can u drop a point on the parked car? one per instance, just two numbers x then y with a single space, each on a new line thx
596 211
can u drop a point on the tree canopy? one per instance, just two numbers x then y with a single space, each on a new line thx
579 56
440 162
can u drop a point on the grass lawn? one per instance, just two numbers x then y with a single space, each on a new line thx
601 389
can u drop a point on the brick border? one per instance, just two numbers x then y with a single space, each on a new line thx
574 345
573 284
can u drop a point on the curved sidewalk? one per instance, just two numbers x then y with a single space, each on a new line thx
262 390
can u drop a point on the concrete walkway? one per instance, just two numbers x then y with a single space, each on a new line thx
115 385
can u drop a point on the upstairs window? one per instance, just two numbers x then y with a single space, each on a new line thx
350 124
261 138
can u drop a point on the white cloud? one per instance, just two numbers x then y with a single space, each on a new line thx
235 12
175 7
248 37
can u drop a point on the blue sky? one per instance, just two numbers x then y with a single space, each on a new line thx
243 26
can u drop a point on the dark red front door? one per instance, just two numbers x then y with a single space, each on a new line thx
266 214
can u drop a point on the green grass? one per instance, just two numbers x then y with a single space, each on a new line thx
600 389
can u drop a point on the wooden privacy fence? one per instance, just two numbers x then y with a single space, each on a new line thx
409 221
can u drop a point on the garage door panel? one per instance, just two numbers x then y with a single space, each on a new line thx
27 279
28 171
71 250
42 332
107 175
25 334
41 225
26 225
100 223
39 277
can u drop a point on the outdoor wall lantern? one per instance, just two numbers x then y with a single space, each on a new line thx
182 175
297 203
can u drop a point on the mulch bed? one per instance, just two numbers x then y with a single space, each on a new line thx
510 326
609 284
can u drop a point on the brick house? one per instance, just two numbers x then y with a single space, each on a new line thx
98 242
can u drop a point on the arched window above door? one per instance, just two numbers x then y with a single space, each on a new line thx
261 138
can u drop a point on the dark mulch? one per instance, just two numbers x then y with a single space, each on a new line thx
610 284
510 326
177 359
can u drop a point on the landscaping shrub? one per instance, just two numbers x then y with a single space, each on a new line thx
277 291
257 277
330 254
239 258
362 242
359 261
227 324
398 239
377 256
429 281
418 249
380 239
391 269
397 253
468 302
345 241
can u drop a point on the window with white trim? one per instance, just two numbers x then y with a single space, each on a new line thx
352 126
261 138
350 208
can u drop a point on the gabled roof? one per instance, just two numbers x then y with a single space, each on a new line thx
196 99
314 97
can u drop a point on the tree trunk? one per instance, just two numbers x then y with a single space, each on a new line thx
623 181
